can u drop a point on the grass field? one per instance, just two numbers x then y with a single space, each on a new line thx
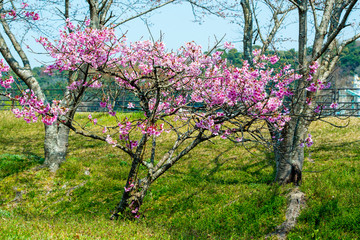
219 191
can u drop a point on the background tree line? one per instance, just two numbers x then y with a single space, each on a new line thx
347 66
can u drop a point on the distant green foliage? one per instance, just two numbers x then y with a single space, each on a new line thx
56 80
286 57
5 214
350 59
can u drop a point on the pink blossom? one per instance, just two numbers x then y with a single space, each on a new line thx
256 52
135 210
7 83
87 22
313 67
309 142
130 105
228 45
334 105
24 5
274 59
36 17
308 101
96 84
12 13
318 109
128 189
111 141
312 88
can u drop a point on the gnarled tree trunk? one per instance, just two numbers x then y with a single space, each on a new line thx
133 199
289 153
55 145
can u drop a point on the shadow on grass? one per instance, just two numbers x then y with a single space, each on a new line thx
224 199
331 147
214 205
13 163
24 145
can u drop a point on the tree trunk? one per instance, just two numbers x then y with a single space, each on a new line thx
248 31
289 154
132 198
132 183
55 145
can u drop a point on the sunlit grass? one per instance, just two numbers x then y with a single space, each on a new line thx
332 184
218 191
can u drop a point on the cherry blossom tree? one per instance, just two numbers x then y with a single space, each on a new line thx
18 18
186 97
325 28
330 20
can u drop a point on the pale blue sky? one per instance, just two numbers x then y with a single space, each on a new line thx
176 23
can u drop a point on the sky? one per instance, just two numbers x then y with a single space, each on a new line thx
176 24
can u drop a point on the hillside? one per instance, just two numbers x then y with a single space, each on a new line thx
348 65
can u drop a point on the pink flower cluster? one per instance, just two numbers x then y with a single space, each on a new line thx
134 210
5 83
31 15
111 141
92 46
183 79
318 85
307 142
228 45
32 107
334 105
315 85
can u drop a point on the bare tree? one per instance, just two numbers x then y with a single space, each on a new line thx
329 19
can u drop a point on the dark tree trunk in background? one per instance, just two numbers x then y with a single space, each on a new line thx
248 30
288 153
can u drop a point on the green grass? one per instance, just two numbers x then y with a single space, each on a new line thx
332 188
205 196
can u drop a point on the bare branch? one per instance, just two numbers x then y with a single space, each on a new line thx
143 13
314 15
15 43
333 35
97 137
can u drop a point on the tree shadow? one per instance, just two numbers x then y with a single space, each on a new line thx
13 163
207 177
